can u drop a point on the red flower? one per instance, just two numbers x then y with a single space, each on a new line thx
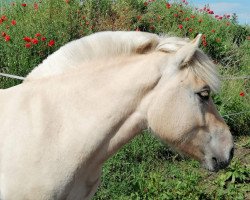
200 20
51 43
36 6
242 94
228 16
67 1
34 40
4 34
186 19
13 22
4 18
190 30
145 3
180 26
1 21
204 43
43 38
38 34
220 18
192 16
7 38
216 16
211 12
28 45
213 31
24 4
175 15
27 39
168 5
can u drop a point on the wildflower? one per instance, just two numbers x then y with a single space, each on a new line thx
200 20
228 16
1 21
211 12
192 16
28 45
4 34
38 34
213 31
139 17
186 19
180 26
24 4
175 15
27 39
67 1
13 22
87 22
204 43
51 43
242 94
36 6
216 16
34 41
145 3
190 30
4 18
7 38
168 5
43 38
220 17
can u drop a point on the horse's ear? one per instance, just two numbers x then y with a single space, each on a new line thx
185 53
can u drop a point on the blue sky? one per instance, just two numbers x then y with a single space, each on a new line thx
220 7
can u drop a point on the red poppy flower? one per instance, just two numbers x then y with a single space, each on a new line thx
192 16
204 43
38 34
36 6
51 43
27 39
28 45
175 15
228 16
24 4
145 3
13 22
7 38
242 94
180 26
168 5
67 1
186 19
4 18
190 30
34 40
43 38
200 20
211 12
1 21
4 34
213 31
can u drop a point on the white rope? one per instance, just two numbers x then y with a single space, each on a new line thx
12 76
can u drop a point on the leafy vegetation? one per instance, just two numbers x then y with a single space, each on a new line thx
144 169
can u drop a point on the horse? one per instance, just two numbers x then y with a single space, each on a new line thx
95 94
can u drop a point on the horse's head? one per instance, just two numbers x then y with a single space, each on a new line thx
182 112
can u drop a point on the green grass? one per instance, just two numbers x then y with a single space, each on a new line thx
145 168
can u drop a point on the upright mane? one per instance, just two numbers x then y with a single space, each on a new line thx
109 44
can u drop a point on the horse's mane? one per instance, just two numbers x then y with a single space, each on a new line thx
108 44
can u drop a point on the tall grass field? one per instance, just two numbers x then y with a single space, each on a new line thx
145 168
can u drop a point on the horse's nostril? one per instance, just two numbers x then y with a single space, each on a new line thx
214 160
231 154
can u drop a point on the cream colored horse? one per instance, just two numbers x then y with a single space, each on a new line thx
95 94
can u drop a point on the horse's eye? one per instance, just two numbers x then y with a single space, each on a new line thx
204 95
